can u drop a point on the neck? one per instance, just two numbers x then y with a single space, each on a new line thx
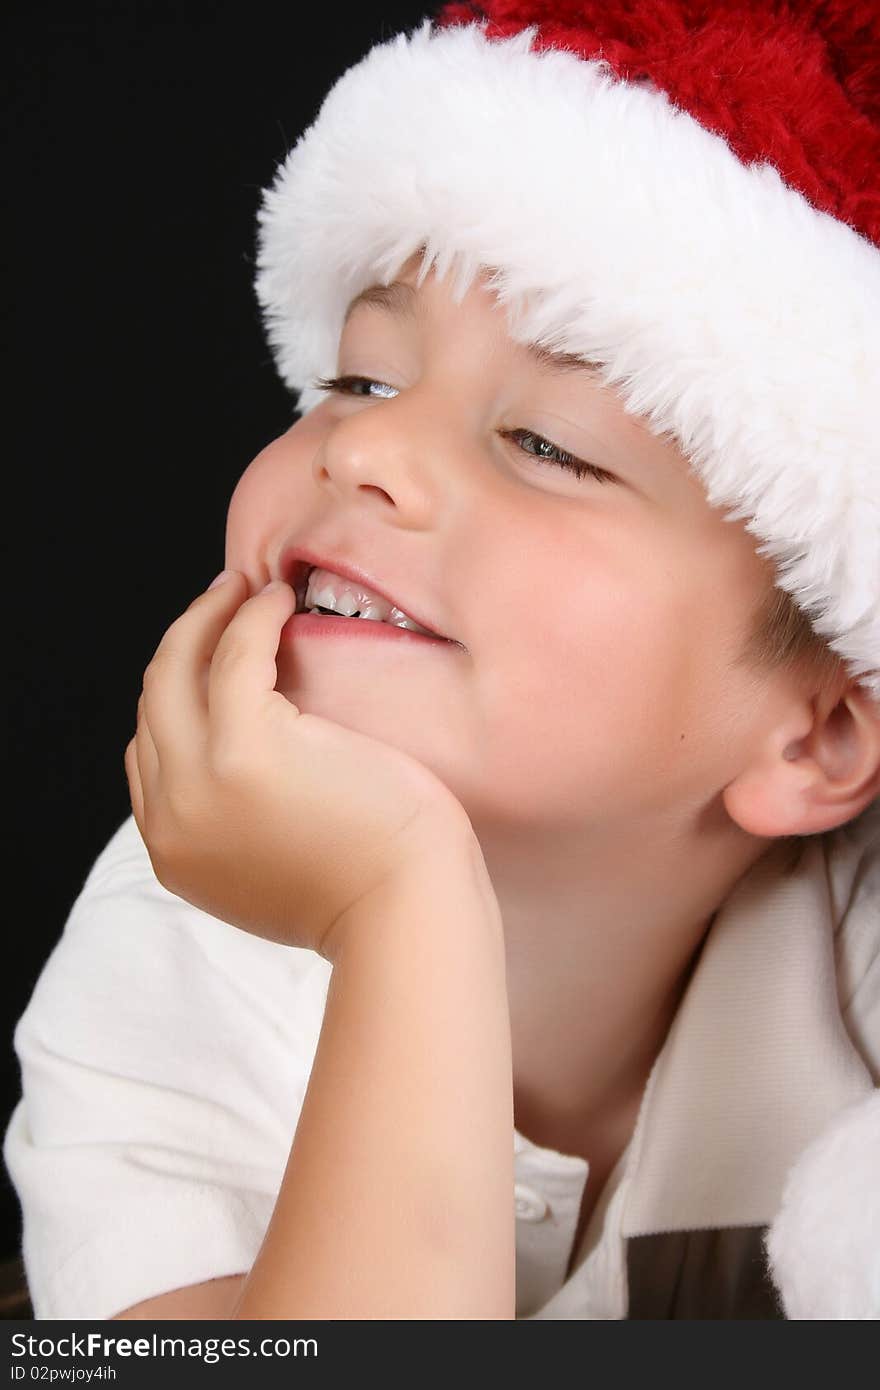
601 934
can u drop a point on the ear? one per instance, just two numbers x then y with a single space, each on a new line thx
817 768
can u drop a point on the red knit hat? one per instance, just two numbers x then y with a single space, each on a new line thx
685 192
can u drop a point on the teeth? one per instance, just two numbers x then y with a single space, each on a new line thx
328 590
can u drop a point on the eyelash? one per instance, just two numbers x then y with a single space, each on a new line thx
344 384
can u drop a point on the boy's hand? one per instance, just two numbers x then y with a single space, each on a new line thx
275 821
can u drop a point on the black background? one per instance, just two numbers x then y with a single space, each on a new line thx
138 384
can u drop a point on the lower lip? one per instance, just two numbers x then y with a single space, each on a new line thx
360 629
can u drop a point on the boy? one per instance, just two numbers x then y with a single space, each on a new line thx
531 457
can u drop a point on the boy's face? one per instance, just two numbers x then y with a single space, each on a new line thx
598 621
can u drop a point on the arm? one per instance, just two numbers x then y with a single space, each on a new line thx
397 1199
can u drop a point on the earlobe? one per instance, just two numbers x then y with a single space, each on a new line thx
770 798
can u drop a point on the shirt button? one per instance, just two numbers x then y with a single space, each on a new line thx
529 1206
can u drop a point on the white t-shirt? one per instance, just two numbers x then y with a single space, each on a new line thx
165 1055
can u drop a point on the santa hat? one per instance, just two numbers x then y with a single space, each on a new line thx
685 192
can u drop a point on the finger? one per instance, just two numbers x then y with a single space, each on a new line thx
243 671
175 688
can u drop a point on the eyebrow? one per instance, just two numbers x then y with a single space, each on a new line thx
400 299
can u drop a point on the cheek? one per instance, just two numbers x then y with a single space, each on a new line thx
582 700
269 495
247 517
592 638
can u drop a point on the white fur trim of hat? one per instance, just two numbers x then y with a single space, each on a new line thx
823 1246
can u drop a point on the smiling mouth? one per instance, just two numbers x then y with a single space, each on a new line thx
324 592
373 606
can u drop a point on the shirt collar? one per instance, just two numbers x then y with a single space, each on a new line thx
757 1060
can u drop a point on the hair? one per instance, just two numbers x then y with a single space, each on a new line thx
782 637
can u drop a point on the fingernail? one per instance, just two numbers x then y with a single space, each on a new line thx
272 586
221 578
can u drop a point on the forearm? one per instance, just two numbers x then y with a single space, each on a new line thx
397 1199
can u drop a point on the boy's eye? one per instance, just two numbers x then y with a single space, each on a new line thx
347 384
536 446
544 449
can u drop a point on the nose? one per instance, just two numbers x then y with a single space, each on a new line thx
396 451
